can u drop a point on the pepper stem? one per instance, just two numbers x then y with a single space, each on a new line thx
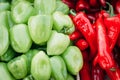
72 11
110 11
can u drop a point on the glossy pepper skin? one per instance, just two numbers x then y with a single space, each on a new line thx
62 22
20 38
40 27
113 29
4 73
55 44
4 34
84 26
103 58
60 6
21 10
45 6
40 66
18 67
73 59
58 66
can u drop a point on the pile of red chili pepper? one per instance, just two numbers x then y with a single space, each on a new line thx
97 34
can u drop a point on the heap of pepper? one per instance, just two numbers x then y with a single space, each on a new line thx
97 34
35 43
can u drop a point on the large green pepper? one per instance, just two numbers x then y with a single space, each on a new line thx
60 6
4 73
45 6
18 67
57 43
62 22
40 66
21 11
30 54
40 27
20 38
59 71
73 59
4 35
8 55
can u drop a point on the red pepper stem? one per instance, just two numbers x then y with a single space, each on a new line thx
72 11
110 11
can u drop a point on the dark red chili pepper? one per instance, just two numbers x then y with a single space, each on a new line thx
103 58
91 17
82 5
97 73
103 2
117 7
75 35
85 55
112 25
85 71
84 26
93 3
82 44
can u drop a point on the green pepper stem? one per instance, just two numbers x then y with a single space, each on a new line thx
72 11
110 11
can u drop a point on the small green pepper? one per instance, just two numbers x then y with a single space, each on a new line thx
45 6
59 71
57 43
40 27
4 35
73 59
20 38
30 54
8 55
18 67
62 22
21 11
4 73
60 6
40 66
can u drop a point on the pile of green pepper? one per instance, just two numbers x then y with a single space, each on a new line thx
34 41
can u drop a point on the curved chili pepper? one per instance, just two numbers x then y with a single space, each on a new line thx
103 58
112 25
75 35
82 5
103 2
97 73
84 26
82 44
93 2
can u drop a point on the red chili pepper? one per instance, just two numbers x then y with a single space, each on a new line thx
103 58
75 35
82 5
70 3
117 7
91 17
85 71
103 2
112 25
82 44
93 3
85 55
84 26
97 73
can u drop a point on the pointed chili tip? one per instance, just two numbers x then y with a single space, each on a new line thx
73 12
113 69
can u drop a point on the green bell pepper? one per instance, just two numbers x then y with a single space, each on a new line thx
29 77
45 6
18 67
60 6
8 55
4 35
30 54
40 66
21 11
20 38
40 27
70 77
57 43
59 71
4 73
62 22
73 59
4 6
